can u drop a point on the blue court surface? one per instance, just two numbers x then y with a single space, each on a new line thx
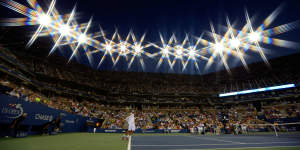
189 142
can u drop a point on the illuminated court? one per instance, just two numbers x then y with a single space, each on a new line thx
180 142
145 75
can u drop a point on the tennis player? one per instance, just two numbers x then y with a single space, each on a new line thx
131 126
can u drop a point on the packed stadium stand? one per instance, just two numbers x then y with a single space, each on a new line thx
145 75
161 101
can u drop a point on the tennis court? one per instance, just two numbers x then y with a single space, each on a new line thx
106 141
189 142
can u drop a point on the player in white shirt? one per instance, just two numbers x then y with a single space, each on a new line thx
244 128
131 126
202 128
192 130
237 127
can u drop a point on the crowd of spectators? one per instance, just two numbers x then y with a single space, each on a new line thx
55 73
153 83
164 118
84 108
280 110
211 118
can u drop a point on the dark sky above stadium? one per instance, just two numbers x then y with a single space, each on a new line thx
180 17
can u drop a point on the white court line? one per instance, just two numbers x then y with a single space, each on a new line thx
129 143
220 144
242 148
182 145
216 139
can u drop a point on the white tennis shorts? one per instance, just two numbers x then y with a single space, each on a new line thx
131 127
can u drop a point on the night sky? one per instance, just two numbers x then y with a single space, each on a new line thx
180 17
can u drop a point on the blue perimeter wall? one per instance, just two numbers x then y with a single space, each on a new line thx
39 114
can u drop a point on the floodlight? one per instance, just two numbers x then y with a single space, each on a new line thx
254 36
108 47
64 29
235 43
219 47
179 52
123 48
165 51
82 38
137 48
44 19
192 53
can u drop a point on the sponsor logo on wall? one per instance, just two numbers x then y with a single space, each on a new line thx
110 131
175 131
12 112
44 117
70 121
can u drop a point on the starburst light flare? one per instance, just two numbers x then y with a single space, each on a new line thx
66 31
